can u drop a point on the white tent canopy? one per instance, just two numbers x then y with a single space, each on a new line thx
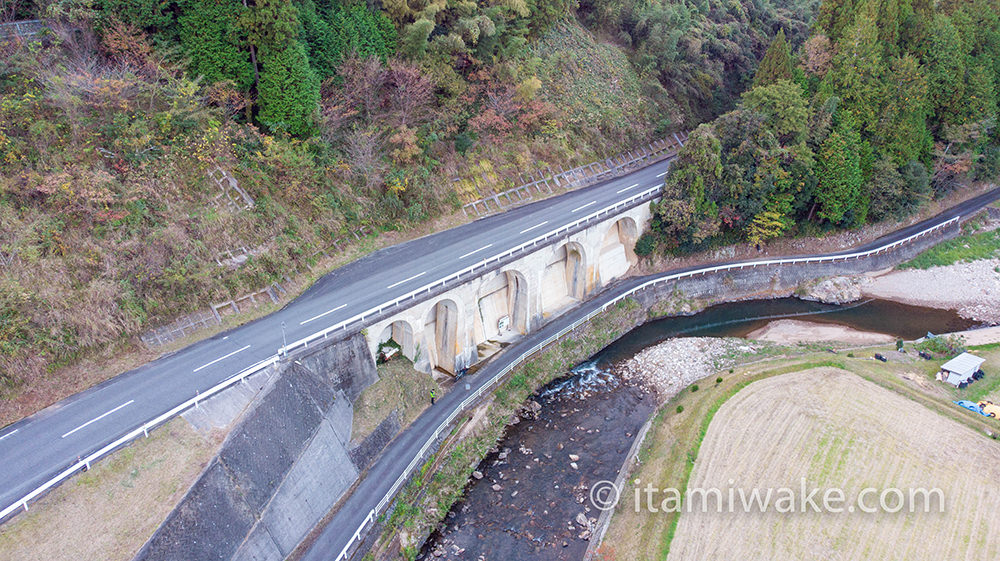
961 368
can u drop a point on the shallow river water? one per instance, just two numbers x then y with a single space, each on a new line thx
528 504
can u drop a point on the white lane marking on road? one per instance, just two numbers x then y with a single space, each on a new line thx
221 358
533 227
476 251
395 284
321 315
661 174
98 418
627 188
584 206
8 434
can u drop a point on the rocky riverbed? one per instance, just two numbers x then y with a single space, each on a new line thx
675 364
529 499
971 289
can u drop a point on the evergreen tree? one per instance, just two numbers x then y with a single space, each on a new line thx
903 134
840 179
777 62
785 110
835 16
858 69
210 41
946 66
688 212
289 90
319 39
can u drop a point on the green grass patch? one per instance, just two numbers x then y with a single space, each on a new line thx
963 249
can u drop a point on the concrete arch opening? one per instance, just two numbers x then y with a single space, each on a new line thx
503 306
441 335
401 333
564 281
618 250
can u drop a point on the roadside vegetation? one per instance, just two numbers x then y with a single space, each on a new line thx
399 388
973 245
673 445
332 116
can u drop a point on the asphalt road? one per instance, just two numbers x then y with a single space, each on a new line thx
38 447
339 530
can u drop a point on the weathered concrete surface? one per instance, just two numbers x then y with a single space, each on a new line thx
364 453
775 281
220 410
445 331
349 365
281 469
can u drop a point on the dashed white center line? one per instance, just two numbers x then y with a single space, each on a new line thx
97 419
584 206
661 174
395 284
533 227
222 358
627 188
476 251
321 315
8 434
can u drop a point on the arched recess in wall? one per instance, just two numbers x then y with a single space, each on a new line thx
502 304
564 281
617 250
401 332
441 335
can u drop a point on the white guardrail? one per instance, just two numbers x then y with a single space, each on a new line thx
597 311
144 429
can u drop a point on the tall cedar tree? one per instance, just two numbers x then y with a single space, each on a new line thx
777 62
859 71
288 90
212 43
840 179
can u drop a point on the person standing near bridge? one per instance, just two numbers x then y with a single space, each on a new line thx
433 395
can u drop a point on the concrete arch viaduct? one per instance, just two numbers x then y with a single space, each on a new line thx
455 328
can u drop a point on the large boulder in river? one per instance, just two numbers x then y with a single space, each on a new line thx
835 290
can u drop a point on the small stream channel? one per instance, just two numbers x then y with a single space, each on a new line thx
532 491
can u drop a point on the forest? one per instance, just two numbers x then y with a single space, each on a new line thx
333 115
339 114
886 105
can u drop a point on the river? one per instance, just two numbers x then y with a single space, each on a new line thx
529 499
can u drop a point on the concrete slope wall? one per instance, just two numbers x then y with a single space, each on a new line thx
782 280
281 469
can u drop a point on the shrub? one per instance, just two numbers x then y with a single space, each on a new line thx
680 408
694 388
645 245
718 380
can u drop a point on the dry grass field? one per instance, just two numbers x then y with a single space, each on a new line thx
107 513
839 430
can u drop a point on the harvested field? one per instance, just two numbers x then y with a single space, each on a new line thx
840 431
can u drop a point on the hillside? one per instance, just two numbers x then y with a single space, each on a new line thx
885 106
331 117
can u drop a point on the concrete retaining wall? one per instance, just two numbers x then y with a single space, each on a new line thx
775 281
282 468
